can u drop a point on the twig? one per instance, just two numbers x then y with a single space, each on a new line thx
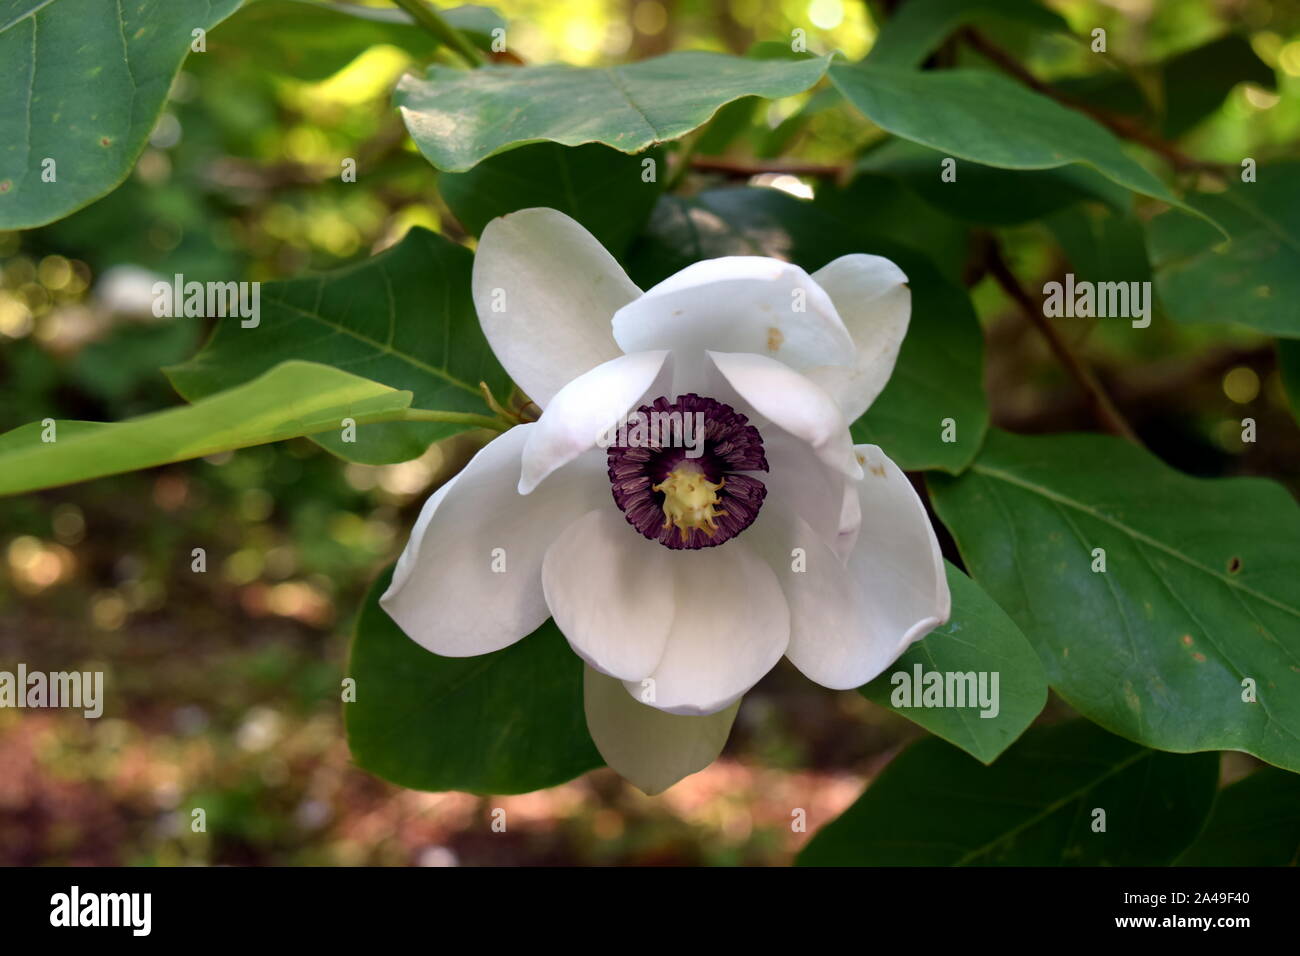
433 23
1122 126
1108 416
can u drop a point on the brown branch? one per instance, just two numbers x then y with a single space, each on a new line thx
1123 126
1107 415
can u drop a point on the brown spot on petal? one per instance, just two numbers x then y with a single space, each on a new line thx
774 338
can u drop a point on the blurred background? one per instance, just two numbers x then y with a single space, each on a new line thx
222 688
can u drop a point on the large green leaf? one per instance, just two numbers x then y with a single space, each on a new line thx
295 398
404 317
940 367
312 40
986 194
979 638
601 188
919 26
84 81
1256 822
1201 589
986 118
459 118
1255 278
935 806
507 722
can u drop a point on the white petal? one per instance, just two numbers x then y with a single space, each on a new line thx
850 623
611 593
802 483
897 561
738 304
833 638
581 412
790 401
872 297
649 748
445 594
731 626
557 290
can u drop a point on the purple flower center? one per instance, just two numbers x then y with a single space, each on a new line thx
677 471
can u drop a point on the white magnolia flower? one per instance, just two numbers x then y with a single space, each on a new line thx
679 566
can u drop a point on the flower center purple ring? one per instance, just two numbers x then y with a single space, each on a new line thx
677 471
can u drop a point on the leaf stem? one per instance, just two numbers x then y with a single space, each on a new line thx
434 23
451 418
1103 408
684 157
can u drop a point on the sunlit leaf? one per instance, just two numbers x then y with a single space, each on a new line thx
461 117
84 82
292 399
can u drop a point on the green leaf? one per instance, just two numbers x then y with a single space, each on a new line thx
1193 84
507 722
312 40
459 118
292 399
1255 278
404 317
1256 822
979 638
919 26
1101 245
987 195
940 367
986 118
84 82
1197 81
1201 589
935 806
599 187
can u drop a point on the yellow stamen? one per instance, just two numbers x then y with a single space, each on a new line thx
690 500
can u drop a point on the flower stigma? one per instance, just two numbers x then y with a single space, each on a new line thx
690 500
